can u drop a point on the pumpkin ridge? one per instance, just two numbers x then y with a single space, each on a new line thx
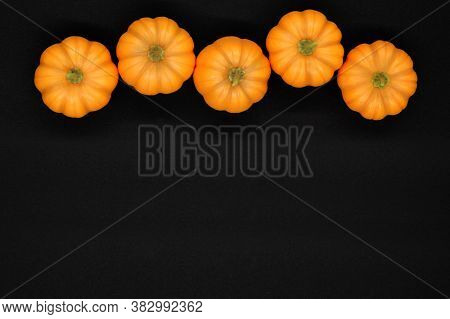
220 83
159 77
281 27
130 66
246 95
308 79
358 63
382 101
80 56
397 88
178 54
169 66
378 109
95 58
400 73
249 55
391 58
369 97
239 64
63 105
140 74
289 44
151 28
301 34
353 85
224 63
65 47
147 24
376 49
324 62
50 88
275 52
324 26
292 39
106 52
84 104
165 79
370 64
387 96
358 97
103 75
329 28
327 44
291 61
378 61
227 97
46 65
406 81
85 54
255 78
103 68
137 54
396 96
157 31
174 37
310 30
97 86
135 34
95 64
184 64
214 68
250 68
57 57
70 48
319 67
225 56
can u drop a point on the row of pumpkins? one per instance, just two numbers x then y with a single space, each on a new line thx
156 56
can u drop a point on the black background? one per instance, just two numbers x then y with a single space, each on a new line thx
64 180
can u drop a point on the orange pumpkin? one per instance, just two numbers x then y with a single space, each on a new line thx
155 56
232 74
76 77
305 49
377 80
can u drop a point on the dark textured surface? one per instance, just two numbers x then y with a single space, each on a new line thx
65 180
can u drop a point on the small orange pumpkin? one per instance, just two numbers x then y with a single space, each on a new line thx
377 80
305 49
76 77
232 74
155 56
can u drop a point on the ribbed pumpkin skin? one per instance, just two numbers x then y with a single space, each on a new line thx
361 89
214 75
93 92
300 68
167 72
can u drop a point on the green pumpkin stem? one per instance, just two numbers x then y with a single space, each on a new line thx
235 75
380 80
156 53
74 76
306 47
